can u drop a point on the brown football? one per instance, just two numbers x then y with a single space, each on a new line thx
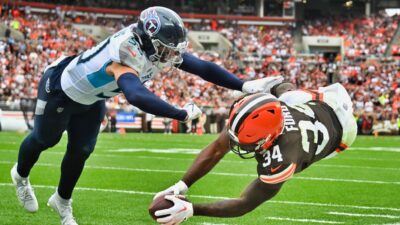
158 204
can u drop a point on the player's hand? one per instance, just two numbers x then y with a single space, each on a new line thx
261 85
178 213
179 188
193 111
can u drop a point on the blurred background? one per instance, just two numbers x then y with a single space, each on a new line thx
312 43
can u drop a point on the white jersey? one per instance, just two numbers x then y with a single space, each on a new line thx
85 79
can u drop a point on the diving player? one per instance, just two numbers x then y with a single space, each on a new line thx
285 135
73 90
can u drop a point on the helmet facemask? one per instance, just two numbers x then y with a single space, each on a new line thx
255 122
167 56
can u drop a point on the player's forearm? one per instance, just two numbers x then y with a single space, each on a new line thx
281 88
207 159
139 96
254 195
226 208
210 72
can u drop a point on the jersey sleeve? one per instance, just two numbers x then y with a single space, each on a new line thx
279 164
126 51
278 174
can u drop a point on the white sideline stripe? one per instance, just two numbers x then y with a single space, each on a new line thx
387 149
231 161
388 224
153 150
358 167
217 198
303 220
204 223
346 180
192 151
366 159
217 173
363 215
196 150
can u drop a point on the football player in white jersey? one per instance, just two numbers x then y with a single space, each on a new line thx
285 135
73 90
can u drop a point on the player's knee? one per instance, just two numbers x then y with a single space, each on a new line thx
83 151
44 141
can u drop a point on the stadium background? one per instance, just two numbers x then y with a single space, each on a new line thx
311 42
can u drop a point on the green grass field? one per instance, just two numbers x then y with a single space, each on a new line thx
360 186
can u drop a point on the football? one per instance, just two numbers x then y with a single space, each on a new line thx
158 204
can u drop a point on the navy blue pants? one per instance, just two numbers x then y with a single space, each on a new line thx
54 114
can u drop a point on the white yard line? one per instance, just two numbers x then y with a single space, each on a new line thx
303 220
132 192
386 149
363 215
250 162
218 173
204 223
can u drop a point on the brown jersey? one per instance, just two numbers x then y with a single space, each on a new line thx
312 131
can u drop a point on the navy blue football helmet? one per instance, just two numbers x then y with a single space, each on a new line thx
162 35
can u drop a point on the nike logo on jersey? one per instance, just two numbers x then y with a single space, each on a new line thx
274 169
182 210
133 54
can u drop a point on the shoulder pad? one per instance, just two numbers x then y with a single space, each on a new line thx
131 55
126 50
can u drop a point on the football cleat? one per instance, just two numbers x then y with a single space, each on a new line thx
25 194
63 207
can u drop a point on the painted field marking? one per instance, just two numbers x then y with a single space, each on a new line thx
229 161
303 220
363 215
386 149
205 223
196 150
218 173
132 192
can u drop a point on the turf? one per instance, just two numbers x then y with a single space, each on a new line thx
360 186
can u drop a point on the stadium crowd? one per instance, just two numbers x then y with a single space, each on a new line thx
258 51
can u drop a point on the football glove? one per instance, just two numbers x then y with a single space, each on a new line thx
178 213
193 112
261 85
176 189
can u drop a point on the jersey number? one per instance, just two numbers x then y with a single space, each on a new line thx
315 133
276 154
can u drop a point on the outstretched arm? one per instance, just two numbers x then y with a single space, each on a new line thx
139 96
207 159
210 72
254 195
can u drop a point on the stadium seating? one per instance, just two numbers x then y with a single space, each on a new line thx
258 51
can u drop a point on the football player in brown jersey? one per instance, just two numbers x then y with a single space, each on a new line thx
286 131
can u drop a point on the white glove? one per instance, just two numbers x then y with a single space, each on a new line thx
193 112
178 213
176 189
261 85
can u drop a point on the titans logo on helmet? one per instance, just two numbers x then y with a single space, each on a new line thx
151 22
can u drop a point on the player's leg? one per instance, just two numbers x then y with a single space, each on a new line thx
82 135
48 128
